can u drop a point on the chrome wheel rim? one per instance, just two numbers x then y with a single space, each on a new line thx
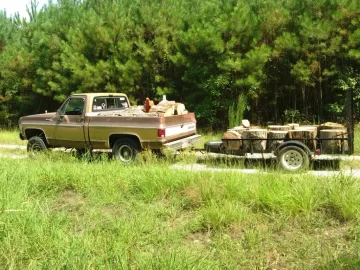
292 160
126 153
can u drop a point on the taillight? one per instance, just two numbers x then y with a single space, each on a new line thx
161 133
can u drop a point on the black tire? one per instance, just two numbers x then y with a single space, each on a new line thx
83 152
293 159
36 144
213 146
223 149
125 150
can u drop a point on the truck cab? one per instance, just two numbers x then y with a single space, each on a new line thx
101 120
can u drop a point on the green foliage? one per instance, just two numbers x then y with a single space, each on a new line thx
281 55
236 111
291 116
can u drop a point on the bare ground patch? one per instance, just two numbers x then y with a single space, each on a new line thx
69 201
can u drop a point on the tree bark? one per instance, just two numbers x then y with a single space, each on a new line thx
350 119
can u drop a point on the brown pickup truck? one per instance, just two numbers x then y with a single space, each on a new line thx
107 121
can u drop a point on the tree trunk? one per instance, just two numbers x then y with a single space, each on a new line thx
350 119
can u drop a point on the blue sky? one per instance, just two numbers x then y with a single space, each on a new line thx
13 6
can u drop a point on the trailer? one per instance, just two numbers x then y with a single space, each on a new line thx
294 147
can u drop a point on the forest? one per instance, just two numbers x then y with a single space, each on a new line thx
284 60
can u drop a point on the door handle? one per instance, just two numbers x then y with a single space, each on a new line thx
48 119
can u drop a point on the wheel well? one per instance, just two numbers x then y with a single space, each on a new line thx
34 132
293 143
114 137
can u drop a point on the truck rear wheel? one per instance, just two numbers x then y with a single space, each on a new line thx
292 158
125 150
35 144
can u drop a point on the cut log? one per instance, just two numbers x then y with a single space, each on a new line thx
245 123
168 111
279 128
255 140
235 141
131 111
276 137
312 127
166 103
179 108
304 135
293 125
331 141
331 125
238 129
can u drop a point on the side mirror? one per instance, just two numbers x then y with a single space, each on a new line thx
60 115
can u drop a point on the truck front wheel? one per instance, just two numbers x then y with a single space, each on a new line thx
292 158
35 144
125 150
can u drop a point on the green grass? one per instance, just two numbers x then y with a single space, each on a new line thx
357 139
10 137
57 211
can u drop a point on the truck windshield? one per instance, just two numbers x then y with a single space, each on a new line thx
109 103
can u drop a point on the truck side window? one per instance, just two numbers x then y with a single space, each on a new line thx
109 103
73 106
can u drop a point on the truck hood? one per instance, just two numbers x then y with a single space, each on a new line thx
37 117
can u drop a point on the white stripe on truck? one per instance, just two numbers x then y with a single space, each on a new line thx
175 130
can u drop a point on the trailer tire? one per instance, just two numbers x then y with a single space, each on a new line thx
293 159
125 150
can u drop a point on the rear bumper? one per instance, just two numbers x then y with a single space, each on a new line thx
183 143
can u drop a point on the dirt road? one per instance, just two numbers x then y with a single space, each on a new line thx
202 167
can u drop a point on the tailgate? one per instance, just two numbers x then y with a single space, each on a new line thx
179 126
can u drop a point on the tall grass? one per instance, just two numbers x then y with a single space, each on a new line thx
58 211
236 111
8 136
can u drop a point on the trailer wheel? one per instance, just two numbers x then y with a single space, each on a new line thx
293 158
125 150
35 144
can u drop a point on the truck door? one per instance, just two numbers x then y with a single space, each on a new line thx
69 127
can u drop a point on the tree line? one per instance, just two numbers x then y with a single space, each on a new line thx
291 59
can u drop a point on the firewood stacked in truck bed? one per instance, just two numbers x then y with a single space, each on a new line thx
164 108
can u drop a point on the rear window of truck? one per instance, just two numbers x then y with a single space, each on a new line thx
109 103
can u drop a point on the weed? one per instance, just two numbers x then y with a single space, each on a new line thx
62 211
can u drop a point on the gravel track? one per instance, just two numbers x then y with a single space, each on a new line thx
201 167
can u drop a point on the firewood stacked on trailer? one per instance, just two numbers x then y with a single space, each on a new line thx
333 137
256 139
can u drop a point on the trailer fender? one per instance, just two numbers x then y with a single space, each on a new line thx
293 143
